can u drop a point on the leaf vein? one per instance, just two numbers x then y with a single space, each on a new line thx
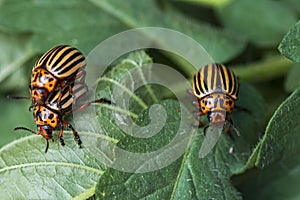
134 96
38 164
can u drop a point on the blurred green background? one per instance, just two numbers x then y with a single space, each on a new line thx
242 34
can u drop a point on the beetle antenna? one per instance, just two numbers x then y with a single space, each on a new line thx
17 97
47 146
26 129
31 131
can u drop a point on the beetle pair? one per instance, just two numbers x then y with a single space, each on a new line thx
52 91
57 81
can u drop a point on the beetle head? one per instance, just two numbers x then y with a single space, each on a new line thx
217 118
45 131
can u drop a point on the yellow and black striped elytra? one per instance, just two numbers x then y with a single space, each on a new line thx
215 78
62 61
216 88
56 68
64 106
49 116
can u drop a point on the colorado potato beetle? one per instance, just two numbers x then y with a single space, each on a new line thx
56 68
216 89
49 116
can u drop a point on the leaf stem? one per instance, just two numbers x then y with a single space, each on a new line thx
39 164
273 67
183 162
148 88
119 110
111 10
86 194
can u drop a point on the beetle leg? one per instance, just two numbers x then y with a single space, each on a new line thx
196 104
200 123
62 142
199 113
81 75
228 132
229 120
102 100
236 130
205 130
190 92
76 136
31 106
59 96
197 117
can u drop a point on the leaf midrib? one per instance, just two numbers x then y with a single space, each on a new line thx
112 11
39 164
182 166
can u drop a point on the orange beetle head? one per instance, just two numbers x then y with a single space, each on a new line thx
45 131
38 94
217 118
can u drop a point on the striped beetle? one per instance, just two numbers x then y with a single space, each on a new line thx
216 89
56 68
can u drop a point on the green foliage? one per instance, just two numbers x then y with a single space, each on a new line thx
277 156
190 177
63 172
244 35
289 46
265 16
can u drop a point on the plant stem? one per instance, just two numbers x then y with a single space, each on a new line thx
273 67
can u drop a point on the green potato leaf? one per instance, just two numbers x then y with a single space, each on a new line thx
276 156
63 172
173 177
188 177
282 127
290 44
